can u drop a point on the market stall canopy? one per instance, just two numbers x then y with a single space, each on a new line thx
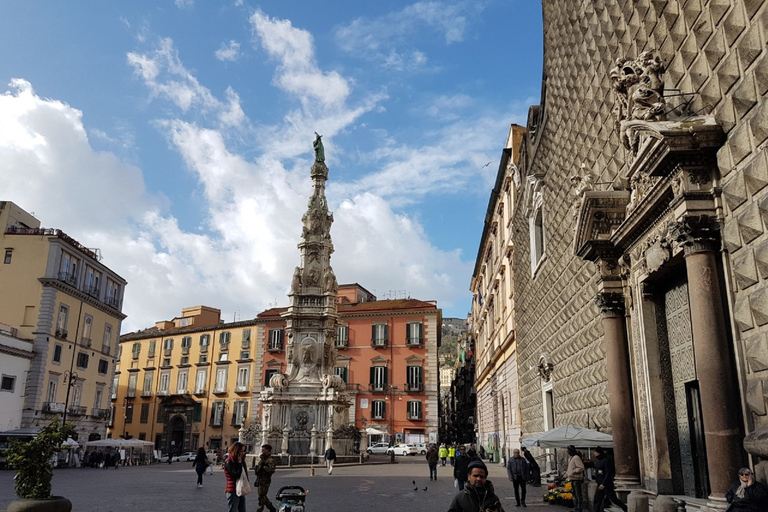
561 437
375 432
70 443
118 443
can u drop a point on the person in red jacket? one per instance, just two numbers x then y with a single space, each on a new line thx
233 468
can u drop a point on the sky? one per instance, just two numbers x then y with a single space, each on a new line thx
176 137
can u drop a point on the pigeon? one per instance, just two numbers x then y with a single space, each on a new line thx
425 488
486 165
413 481
415 488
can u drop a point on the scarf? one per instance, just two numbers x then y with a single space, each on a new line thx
741 490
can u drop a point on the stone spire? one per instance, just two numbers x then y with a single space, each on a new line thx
312 317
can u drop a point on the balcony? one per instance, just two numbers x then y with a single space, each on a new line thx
113 301
76 410
184 351
68 277
100 413
414 342
414 417
200 391
342 343
105 349
86 342
167 351
275 346
414 387
93 291
162 392
379 342
377 388
146 393
241 389
61 333
53 407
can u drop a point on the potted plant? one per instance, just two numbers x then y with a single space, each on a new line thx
34 471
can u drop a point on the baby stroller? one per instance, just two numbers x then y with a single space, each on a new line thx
291 498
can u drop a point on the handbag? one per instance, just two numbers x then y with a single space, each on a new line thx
243 487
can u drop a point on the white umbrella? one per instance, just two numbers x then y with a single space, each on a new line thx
375 432
70 443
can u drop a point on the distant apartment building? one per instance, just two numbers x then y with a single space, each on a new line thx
446 376
492 320
194 381
58 294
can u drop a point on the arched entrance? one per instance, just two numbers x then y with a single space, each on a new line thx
176 435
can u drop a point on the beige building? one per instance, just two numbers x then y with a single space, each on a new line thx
58 294
492 321
15 358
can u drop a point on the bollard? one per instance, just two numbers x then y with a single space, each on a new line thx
637 501
664 504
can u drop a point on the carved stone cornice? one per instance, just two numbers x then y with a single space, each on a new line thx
601 212
611 304
696 234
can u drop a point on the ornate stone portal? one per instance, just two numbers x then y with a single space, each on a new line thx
308 401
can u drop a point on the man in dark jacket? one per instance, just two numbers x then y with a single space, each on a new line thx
264 470
517 471
604 475
461 466
534 469
432 458
477 494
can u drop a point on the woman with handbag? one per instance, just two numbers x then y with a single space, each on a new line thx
236 474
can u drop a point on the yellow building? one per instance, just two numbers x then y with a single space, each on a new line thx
186 382
58 294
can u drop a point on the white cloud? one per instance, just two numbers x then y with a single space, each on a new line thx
229 52
184 4
381 39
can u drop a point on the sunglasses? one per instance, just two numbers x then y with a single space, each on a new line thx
745 474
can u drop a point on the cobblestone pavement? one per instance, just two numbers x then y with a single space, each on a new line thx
172 488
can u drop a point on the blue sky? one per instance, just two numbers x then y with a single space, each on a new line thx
176 136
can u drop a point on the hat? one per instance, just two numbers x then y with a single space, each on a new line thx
477 464
267 446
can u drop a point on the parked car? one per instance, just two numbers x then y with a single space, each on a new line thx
403 449
422 447
379 448
185 457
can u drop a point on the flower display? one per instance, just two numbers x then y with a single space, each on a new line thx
559 495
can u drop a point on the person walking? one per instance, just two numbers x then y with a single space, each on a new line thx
533 468
517 471
264 471
576 473
477 494
210 458
432 458
472 452
452 453
330 458
604 475
461 467
200 464
443 454
233 468
747 495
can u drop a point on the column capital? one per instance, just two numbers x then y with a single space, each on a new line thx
696 234
611 304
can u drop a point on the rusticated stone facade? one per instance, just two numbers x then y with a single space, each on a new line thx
640 251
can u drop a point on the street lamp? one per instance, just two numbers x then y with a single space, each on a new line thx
70 378
126 404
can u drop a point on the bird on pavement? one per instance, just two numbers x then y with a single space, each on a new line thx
425 488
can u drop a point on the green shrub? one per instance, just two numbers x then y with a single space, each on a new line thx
32 461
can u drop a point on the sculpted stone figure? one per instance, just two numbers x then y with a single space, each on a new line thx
296 283
319 148
639 90
329 281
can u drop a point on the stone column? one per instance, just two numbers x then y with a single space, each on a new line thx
720 402
611 306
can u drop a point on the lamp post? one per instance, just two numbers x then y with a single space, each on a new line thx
126 403
70 378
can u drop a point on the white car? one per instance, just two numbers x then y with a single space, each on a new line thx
185 457
404 449
378 448
422 447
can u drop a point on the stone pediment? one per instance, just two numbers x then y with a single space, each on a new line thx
601 212
272 363
378 360
414 360
342 358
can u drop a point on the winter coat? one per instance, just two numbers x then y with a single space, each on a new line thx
755 498
575 469
232 472
330 454
517 467
443 453
604 472
264 469
432 455
470 499
201 463
461 468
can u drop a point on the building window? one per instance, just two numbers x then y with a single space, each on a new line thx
50 397
97 402
203 358
275 340
82 360
68 269
242 379
181 383
184 361
131 385
415 333
268 375
246 338
379 378
151 351
200 381
103 366
87 325
118 352
113 294
223 356
92 278
342 336
379 335
146 390
414 409
164 384
57 353
144 418
378 409
221 381
106 341
224 340
136 350
184 322
414 376
245 354
61 321
113 391
205 340
166 362
537 237
168 346
240 412
129 413
8 256
217 414
343 372
8 383
186 342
